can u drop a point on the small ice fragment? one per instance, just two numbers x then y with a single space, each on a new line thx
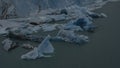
8 44
31 55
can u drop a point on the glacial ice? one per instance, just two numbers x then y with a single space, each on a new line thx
26 8
25 17
48 27
38 52
70 36
85 23
8 44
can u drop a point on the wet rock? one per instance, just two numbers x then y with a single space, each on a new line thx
27 46
63 11
8 44
34 23
38 52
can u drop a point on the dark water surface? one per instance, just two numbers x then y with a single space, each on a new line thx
101 52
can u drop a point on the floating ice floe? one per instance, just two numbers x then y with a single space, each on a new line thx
44 48
70 36
8 44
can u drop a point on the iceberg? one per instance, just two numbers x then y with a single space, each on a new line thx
71 26
70 36
8 44
44 48
85 23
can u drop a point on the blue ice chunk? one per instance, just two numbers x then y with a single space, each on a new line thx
46 46
70 36
38 52
85 23
81 22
